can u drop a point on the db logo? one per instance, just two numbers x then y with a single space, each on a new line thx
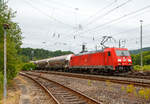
85 60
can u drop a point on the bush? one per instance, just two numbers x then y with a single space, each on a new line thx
136 59
145 67
29 66
137 67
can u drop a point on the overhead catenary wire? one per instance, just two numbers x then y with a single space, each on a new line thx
128 0
97 30
108 12
45 14
96 13
87 37
117 19
99 10
62 4
92 16
127 30
144 37
49 16
101 16
62 8
115 34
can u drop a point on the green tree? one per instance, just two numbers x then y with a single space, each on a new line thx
36 54
137 58
147 60
13 44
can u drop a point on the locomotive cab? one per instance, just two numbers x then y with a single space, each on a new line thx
118 59
123 60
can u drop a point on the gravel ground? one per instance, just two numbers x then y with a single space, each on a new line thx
25 91
106 92
32 94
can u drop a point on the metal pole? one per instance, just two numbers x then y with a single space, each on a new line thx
141 33
5 27
119 44
5 67
76 20
32 55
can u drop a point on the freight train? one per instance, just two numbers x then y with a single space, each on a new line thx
105 60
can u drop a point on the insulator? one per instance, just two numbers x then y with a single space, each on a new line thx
53 34
58 35
93 38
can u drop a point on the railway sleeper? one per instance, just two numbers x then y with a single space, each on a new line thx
70 96
61 93
77 102
72 100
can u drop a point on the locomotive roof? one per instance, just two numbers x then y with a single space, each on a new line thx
102 50
89 52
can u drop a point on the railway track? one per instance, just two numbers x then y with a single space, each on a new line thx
139 75
60 94
120 80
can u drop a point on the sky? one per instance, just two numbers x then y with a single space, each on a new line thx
67 24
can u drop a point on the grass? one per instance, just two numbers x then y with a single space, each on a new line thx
12 98
13 93
141 93
144 68
89 82
1 94
1 85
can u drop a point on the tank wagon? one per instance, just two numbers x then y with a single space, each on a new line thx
60 62
106 60
55 63
41 64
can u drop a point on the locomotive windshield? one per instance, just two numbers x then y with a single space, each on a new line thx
122 53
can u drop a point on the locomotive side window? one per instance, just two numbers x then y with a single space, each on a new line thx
109 54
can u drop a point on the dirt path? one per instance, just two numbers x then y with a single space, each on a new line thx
18 92
24 91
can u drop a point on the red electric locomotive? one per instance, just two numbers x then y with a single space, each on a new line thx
108 59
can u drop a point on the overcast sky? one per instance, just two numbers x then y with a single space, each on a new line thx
67 24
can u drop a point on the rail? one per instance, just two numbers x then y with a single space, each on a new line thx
65 92
120 80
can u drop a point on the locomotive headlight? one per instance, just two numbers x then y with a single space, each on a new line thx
119 60
129 60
